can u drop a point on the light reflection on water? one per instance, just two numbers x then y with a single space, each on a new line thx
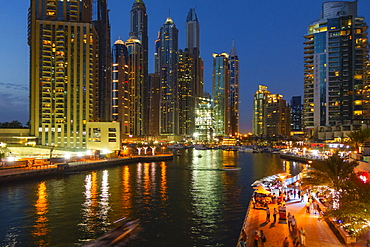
189 201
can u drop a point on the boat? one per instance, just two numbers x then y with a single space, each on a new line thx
118 235
200 147
245 149
231 168
177 146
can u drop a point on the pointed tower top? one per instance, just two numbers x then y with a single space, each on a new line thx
139 2
169 20
233 50
192 16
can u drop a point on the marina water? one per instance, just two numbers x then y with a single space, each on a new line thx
190 201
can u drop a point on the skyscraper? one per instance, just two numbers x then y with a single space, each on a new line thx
121 87
139 30
334 79
277 120
259 110
234 92
192 28
296 113
220 91
63 71
100 19
167 62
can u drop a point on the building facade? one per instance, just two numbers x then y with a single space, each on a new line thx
100 20
335 62
168 66
63 71
234 92
259 110
277 121
296 113
121 88
220 91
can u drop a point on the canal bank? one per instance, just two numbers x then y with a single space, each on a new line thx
20 174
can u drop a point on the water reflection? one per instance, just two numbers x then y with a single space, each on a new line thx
42 208
163 183
104 201
90 206
126 197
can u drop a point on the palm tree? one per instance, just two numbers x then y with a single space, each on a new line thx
333 172
358 137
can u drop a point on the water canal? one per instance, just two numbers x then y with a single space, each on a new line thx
189 201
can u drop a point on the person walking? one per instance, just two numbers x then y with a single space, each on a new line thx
267 214
290 217
274 214
293 223
308 207
302 234
256 238
263 238
286 242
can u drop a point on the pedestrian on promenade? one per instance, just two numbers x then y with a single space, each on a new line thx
268 214
308 207
302 234
256 238
294 193
286 242
299 195
293 223
290 217
274 215
263 238
315 207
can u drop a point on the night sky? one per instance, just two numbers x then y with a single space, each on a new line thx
268 37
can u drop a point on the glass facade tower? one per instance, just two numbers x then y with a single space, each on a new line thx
234 92
335 61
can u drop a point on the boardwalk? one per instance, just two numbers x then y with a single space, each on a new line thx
318 233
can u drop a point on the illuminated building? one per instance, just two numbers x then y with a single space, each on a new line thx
121 87
139 29
204 120
63 71
136 80
193 45
277 121
220 91
167 63
186 83
154 94
296 113
100 20
234 92
334 77
259 110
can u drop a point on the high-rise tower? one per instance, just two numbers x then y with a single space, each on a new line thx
167 62
234 92
100 19
220 91
63 71
192 28
139 30
334 79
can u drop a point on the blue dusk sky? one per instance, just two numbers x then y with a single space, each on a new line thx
268 37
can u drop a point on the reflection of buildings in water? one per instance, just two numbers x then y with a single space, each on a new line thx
41 226
228 158
163 182
287 165
146 184
90 206
126 195
104 200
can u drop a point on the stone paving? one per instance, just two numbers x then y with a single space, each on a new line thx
318 233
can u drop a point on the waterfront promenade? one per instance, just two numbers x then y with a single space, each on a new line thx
21 173
318 233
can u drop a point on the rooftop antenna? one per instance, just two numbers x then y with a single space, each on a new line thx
169 12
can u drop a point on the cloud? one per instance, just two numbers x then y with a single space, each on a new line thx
13 106
13 86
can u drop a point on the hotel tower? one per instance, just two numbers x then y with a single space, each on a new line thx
335 53
63 71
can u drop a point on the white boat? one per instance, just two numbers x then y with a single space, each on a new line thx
177 146
200 147
245 150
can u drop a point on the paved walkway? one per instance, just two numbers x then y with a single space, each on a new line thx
318 233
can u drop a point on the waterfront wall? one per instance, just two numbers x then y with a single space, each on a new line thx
23 174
